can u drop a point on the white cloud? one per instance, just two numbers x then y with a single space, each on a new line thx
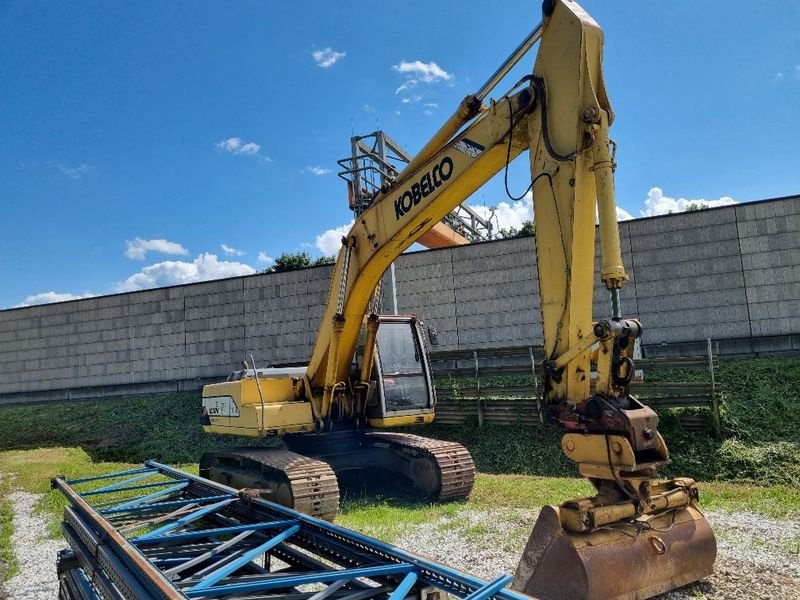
231 251
413 99
513 215
430 105
238 146
50 297
206 266
138 248
316 170
264 258
75 172
426 72
406 86
330 241
369 108
659 204
507 216
417 71
327 57
623 215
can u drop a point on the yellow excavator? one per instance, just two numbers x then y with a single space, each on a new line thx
637 537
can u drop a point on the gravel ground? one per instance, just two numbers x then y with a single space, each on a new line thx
36 555
759 557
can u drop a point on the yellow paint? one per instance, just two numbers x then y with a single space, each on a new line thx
401 421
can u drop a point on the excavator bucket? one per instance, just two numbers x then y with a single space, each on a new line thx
677 549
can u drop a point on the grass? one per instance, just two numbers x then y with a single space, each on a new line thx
158 427
761 417
760 442
778 501
386 517
8 562
33 469
755 466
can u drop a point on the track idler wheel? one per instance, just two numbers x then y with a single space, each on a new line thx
615 563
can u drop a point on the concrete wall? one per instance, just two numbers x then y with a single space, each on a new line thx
732 274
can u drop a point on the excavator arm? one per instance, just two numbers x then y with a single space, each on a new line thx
399 217
560 114
635 537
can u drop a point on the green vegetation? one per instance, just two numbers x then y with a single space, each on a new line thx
33 470
160 427
754 466
385 517
760 442
8 562
760 408
528 229
291 261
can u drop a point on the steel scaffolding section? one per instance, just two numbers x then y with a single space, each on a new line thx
156 532
376 161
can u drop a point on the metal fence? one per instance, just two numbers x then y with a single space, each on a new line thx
466 390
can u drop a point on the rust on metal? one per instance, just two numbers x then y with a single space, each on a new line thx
616 563
115 537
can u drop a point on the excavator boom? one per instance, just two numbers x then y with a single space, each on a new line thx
636 537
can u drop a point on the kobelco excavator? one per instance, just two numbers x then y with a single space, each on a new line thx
637 537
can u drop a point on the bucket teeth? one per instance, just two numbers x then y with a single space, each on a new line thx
621 563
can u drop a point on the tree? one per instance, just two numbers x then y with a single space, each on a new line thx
291 261
324 260
528 229
693 206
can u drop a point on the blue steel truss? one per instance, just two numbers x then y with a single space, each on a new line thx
157 532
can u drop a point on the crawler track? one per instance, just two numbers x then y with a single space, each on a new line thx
452 465
306 481
285 477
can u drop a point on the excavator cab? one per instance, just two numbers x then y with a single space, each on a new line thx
401 371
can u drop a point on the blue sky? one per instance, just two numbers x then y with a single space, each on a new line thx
153 143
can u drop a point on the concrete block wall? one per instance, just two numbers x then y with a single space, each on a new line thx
282 313
769 241
689 276
731 273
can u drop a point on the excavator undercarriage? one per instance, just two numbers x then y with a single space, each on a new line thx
304 477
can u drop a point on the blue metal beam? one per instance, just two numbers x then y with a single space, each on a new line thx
145 469
215 576
295 580
203 533
116 489
490 589
226 562
185 520
426 567
405 586
164 505
139 500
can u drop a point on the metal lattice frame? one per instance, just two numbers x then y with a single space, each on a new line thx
157 532
376 161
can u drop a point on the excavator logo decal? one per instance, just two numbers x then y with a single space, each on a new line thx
424 187
468 147
221 406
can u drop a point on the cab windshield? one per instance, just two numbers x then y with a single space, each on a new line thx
404 382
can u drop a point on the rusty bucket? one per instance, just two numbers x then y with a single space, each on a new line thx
677 548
